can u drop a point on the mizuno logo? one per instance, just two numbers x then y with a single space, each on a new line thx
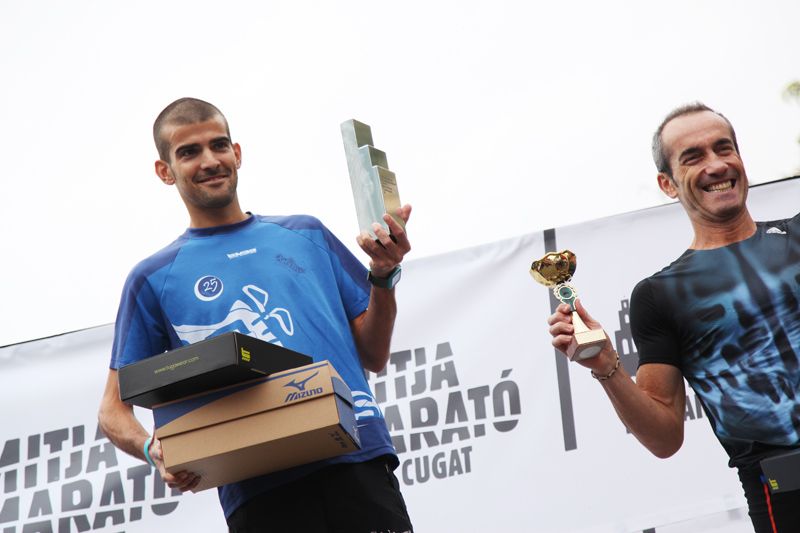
779 231
304 394
234 255
300 385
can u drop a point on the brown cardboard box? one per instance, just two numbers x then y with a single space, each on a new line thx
288 419
217 362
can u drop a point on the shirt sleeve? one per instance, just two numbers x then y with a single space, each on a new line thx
138 331
351 276
653 331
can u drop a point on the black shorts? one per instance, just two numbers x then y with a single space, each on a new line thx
770 513
347 498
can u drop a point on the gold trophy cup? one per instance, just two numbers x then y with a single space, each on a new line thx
554 270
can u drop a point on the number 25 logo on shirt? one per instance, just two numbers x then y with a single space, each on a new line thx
208 288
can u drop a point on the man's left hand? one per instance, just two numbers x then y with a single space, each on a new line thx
390 248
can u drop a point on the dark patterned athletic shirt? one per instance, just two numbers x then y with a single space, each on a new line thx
729 319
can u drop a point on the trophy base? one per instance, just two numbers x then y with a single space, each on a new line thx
586 344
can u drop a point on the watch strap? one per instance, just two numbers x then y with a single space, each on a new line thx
388 282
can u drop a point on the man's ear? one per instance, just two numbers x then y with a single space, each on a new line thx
164 173
667 184
237 150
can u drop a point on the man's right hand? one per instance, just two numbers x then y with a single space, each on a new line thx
183 480
562 331
652 407
124 430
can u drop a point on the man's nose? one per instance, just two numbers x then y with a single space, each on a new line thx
209 160
716 165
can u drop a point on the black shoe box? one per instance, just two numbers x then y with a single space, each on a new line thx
221 361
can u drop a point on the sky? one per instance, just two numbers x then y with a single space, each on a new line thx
499 119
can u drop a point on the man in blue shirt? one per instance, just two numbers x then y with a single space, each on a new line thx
283 279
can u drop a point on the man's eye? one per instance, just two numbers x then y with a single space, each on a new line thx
221 145
183 154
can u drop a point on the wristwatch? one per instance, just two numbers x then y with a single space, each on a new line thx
388 282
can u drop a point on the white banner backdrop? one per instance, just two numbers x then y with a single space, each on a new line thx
496 432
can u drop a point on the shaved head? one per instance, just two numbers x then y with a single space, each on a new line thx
179 113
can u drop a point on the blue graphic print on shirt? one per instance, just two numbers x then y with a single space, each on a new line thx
729 318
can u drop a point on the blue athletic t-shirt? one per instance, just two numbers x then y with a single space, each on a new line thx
285 280
729 319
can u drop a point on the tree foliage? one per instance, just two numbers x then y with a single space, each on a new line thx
792 91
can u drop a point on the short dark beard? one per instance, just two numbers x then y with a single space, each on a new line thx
216 202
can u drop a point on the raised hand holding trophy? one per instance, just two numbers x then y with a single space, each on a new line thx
554 270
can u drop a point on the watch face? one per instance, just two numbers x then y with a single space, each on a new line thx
394 277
